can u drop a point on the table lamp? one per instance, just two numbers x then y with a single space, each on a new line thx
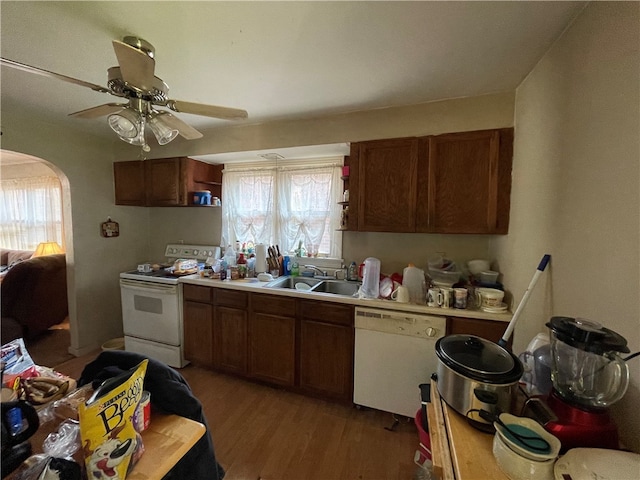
47 248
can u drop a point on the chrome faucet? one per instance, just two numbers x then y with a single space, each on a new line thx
316 269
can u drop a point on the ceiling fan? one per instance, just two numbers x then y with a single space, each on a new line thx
134 80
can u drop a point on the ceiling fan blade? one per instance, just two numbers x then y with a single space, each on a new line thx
136 66
99 111
184 129
46 73
207 110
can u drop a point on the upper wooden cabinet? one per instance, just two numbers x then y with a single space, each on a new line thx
164 182
386 185
452 183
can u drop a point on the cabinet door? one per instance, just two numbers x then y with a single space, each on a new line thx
230 340
272 350
387 175
128 180
198 333
468 183
326 360
163 182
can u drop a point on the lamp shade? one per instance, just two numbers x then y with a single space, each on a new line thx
47 248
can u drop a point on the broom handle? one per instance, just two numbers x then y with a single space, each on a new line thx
507 334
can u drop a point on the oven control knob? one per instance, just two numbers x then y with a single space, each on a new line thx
431 332
195 252
173 250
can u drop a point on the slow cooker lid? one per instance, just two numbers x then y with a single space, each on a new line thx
476 354
587 335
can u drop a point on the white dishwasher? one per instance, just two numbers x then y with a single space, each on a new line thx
394 353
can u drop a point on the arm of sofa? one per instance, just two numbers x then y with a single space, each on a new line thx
34 293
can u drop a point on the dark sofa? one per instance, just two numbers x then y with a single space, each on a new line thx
33 296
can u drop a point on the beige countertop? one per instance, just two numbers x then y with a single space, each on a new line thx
254 285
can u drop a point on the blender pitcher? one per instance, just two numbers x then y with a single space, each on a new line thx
587 370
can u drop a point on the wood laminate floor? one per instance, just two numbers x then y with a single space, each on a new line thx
265 433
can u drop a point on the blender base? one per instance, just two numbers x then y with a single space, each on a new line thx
576 427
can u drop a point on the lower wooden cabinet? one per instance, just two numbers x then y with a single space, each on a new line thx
198 333
272 348
272 339
326 360
326 349
488 329
198 324
230 340
305 346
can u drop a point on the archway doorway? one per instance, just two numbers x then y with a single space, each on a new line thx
20 167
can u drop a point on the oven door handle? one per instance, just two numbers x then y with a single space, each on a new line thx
147 286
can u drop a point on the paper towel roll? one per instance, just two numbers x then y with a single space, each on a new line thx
261 258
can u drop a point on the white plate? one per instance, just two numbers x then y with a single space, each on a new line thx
302 286
590 463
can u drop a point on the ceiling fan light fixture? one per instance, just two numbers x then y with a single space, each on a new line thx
139 139
126 123
162 130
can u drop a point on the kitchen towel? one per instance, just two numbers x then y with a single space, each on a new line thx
261 258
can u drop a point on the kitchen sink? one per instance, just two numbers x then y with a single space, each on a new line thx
290 282
338 287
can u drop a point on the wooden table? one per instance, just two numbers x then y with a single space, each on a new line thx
166 441
459 450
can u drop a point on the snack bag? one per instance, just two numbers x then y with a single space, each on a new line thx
16 363
111 443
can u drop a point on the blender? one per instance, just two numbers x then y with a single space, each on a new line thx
588 376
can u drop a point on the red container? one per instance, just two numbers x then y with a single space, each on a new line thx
425 440
345 171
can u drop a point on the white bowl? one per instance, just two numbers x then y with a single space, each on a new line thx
477 266
517 467
536 428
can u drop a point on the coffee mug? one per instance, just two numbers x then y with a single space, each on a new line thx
432 297
445 297
401 294
460 298
489 297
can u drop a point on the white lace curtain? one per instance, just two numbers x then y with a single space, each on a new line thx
30 212
284 205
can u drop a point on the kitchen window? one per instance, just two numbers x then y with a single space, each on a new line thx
283 204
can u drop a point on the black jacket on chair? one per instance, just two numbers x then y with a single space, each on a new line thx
171 393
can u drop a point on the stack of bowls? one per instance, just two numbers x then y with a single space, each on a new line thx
517 459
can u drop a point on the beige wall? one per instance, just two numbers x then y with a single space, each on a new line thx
84 165
576 186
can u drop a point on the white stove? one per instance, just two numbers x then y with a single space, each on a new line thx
172 252
152 306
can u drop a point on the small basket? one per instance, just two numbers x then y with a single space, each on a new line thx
113 344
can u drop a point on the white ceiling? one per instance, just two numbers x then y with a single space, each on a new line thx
278 60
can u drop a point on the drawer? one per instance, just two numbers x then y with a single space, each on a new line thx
273 304
231 298
197 293
326 312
